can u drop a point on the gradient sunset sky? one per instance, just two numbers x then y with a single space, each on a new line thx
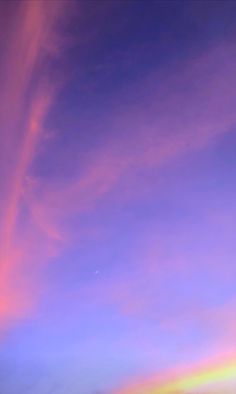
118 197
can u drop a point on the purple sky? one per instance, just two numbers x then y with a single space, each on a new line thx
118 194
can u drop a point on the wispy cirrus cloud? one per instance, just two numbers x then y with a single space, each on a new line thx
170 115
26 97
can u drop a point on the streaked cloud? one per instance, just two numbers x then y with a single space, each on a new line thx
26 97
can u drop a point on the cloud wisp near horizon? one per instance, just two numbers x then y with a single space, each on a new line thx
117 157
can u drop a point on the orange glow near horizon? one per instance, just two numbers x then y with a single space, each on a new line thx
197 379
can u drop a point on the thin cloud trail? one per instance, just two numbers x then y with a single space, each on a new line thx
29 98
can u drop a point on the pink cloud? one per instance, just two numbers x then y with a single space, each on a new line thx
172 114
30 44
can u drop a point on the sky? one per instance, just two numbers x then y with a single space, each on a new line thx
118 197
